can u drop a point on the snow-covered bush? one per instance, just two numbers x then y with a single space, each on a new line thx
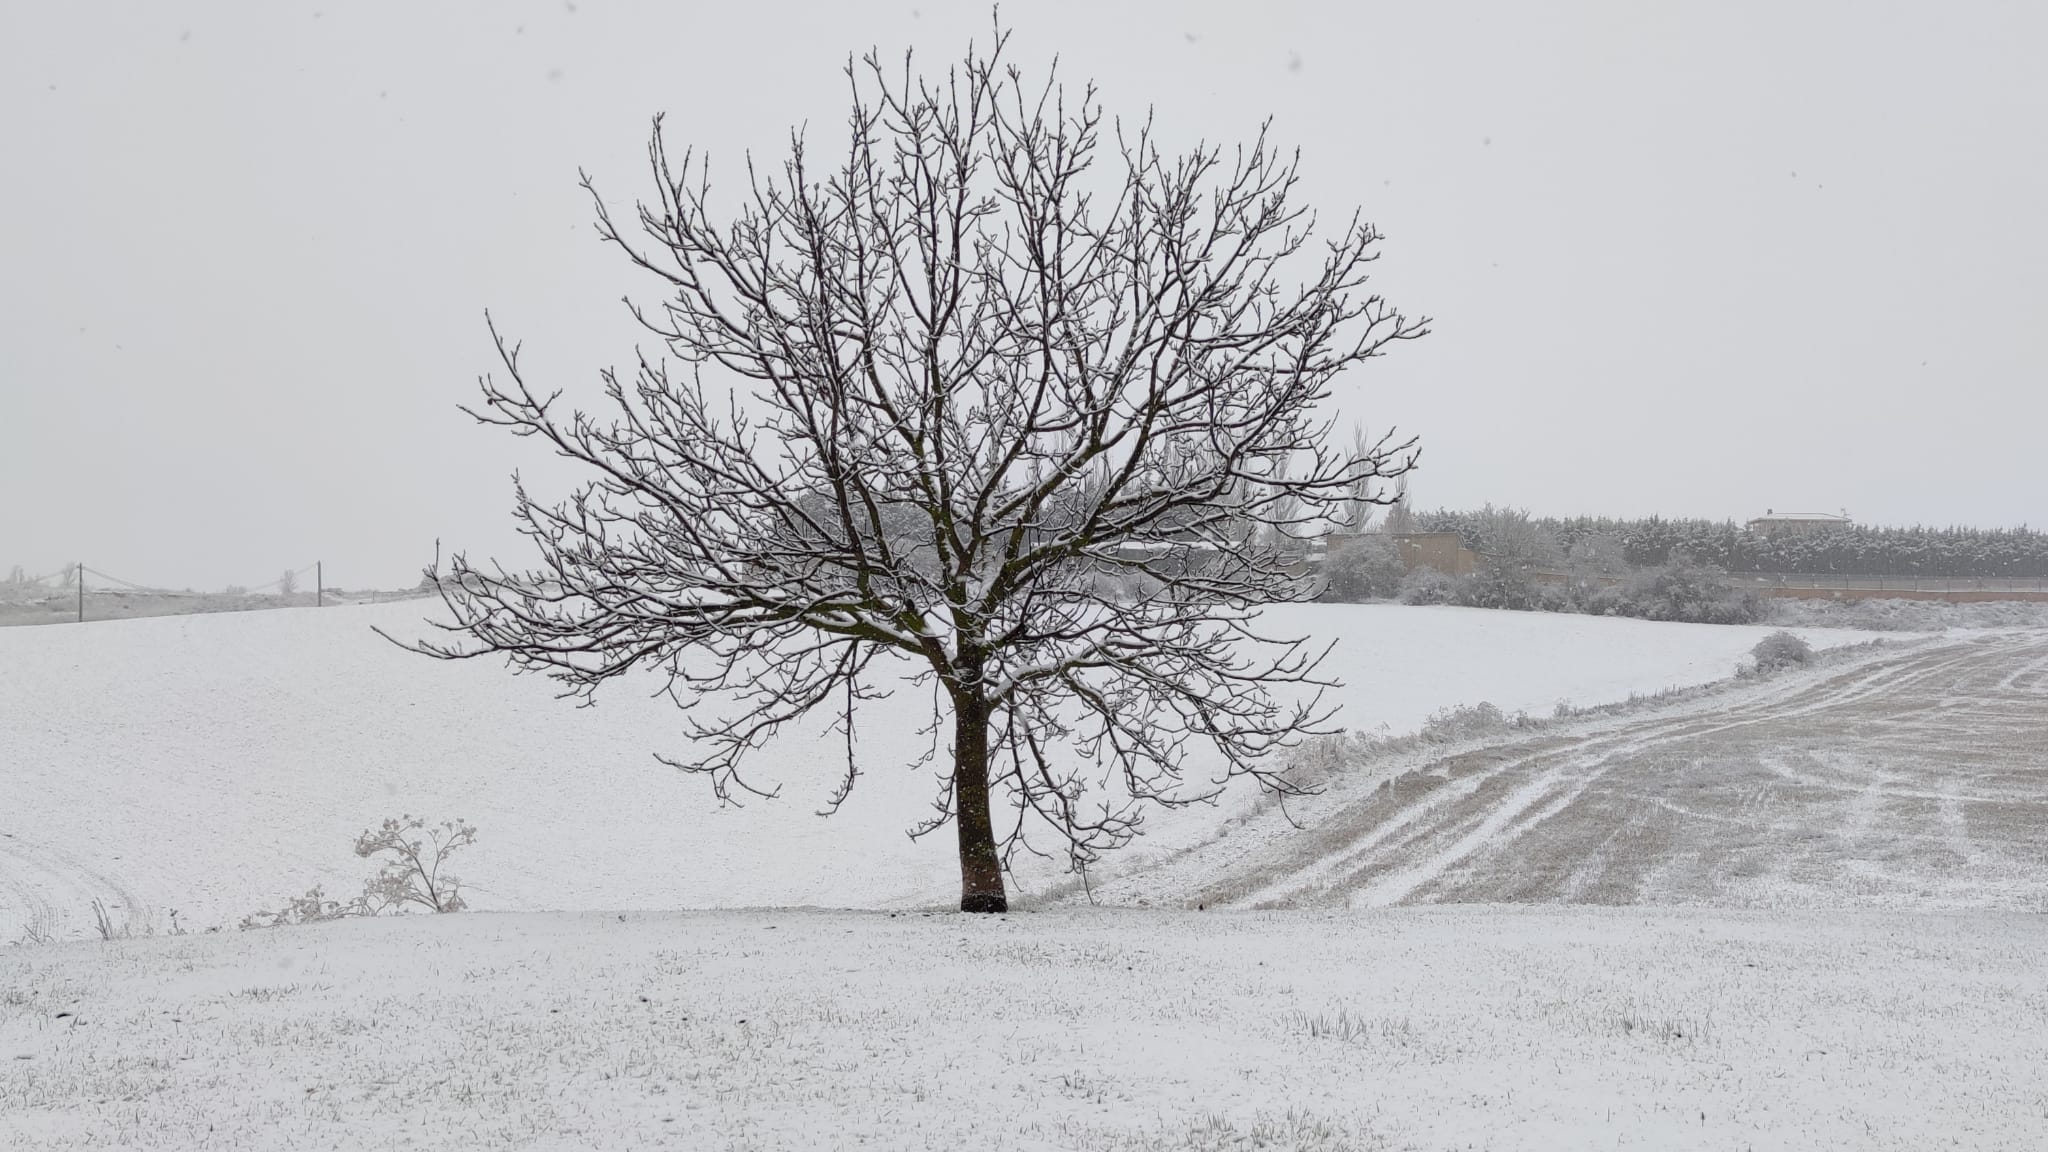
1781 650
1509 586
311 908
411 872
1426 586
1597 553
1471 721
1680 591
1363 567
1513 550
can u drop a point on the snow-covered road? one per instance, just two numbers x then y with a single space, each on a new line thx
1917 780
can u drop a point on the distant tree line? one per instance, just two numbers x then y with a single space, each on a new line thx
1528 567
1654 568
1731 547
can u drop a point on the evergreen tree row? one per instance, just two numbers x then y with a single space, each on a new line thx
1854 550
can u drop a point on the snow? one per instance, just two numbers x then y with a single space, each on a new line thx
1498 1028
216 764
1899 777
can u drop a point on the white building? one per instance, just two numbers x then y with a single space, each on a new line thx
1776 523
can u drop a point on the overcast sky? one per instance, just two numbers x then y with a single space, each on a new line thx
1697 260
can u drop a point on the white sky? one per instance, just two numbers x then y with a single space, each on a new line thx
1696 260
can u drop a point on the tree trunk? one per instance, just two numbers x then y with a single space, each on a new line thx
981 871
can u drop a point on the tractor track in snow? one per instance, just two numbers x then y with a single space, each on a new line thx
48 892
1918 780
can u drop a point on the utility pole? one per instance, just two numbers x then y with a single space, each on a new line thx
81 591
319 587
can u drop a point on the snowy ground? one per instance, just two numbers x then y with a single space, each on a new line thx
1911 777
1486 1028
213 764
216 764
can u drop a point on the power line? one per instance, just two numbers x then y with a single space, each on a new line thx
52 575
294 573
113 579
139 587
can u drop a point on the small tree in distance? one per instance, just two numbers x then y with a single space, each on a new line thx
411 873
935 392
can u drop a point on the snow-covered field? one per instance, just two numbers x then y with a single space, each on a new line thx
1452 1028
213 765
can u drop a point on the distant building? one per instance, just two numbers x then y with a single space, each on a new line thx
1776 523
1443 551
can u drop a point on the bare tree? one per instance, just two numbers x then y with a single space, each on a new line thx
412 868
287 583
1367 496
1400 515
931 392
1507 538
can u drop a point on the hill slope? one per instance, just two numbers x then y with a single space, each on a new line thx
215 764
